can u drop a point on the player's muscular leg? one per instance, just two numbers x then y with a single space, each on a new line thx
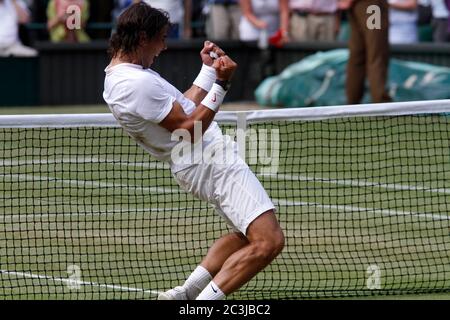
221 250
266 240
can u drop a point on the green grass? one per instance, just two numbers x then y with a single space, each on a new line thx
96 200
54 109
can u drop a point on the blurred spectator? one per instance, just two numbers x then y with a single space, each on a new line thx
369 51
13 13
223 17
425 15
180 12
440 14
448 8
198 18
310 20
403 19
260 18
59 13
424 12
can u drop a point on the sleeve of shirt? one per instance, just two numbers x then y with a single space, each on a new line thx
153 102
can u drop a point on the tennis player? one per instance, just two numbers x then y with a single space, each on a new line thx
151 111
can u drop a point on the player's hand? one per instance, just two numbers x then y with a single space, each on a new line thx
225 68
205 53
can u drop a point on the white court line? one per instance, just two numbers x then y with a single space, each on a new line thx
77 282
361 209
356 183
85 213
85 183
84 159
276 201
279 201
160 165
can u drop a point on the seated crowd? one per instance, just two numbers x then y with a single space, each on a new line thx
245 20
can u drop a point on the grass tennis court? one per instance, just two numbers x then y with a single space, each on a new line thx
351 194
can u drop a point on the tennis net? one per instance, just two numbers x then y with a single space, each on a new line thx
362 193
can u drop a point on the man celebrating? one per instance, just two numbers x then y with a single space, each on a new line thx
150 110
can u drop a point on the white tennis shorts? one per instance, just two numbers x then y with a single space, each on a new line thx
232 189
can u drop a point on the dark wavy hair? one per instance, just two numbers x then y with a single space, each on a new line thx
137 19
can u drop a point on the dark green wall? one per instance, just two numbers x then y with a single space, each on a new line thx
67 74
19 83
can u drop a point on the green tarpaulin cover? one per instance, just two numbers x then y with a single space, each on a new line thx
319 80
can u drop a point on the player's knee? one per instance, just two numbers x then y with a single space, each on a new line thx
275 241
262 251
269 248
267 238
278 242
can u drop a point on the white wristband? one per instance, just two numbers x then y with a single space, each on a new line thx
206 78
214 98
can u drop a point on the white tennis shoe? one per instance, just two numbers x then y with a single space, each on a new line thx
177 293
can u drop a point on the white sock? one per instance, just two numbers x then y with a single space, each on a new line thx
211 292
196 282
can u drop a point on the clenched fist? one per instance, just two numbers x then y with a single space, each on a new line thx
225 68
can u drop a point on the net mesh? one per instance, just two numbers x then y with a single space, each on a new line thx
364 203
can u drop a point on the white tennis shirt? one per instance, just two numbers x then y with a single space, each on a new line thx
140 99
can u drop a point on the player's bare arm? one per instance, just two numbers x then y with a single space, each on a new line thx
178 119
196 93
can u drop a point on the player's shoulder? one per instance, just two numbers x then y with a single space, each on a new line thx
137 78
131 72
146 78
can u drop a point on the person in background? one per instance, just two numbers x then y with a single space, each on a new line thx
222 22
440 14
447 2
58 15
448 8
403 18
13 13
260 18
309 20
180 12
369 51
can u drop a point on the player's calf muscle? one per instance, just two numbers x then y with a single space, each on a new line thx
265 232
